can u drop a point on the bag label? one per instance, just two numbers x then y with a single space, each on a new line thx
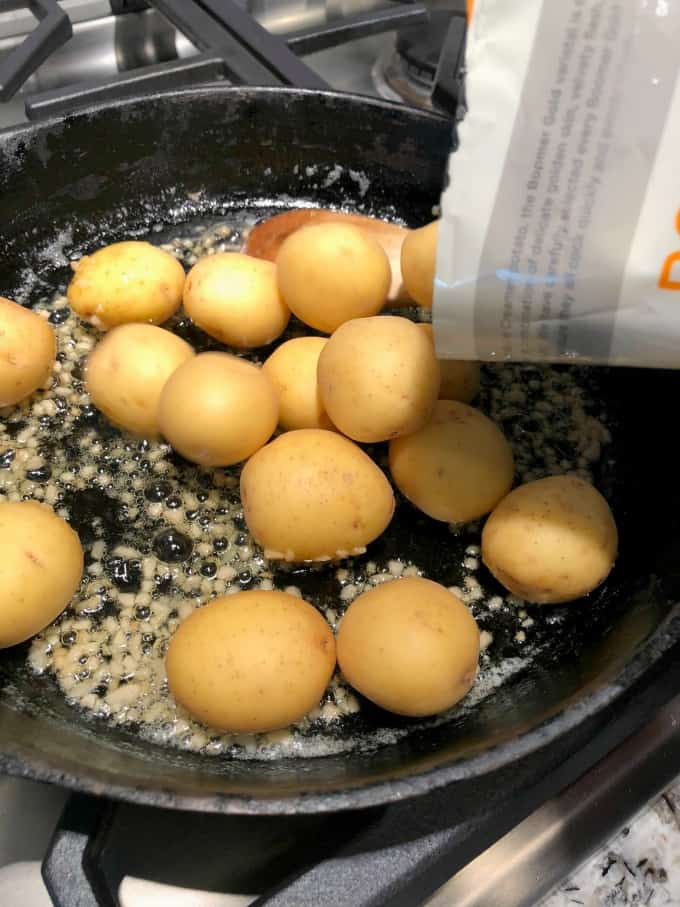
543 266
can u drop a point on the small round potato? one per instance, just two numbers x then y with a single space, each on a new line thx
27 350
312 495
419 262
292 370
460 379
251 662
124 282
235 299
378 378
41 565
217 409
410 646
455 469
551 541
329 273
127 371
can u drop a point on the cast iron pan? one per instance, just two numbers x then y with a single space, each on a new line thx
109 173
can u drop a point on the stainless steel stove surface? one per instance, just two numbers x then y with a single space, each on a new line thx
350 46
444 849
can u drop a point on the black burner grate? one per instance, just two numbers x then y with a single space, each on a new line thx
53 30
232 45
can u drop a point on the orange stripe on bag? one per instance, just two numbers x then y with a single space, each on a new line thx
666 282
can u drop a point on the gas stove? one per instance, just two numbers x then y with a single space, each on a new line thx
503 842
500 843
56 57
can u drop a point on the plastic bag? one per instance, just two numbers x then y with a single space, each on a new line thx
560 230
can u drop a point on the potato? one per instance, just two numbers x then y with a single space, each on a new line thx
419 263
234 298
312 495
127 371
41 565
217 409
329 273
551 541
456 468
124 282
292 370
251 662
459 378
410 646
27 350
378 378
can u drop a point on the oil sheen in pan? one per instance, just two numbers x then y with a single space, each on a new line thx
163 536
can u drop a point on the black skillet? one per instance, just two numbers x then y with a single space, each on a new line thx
109 173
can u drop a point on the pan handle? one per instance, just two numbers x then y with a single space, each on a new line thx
54 29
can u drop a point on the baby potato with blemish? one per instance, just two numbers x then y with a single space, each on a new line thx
126 282
41 565
27 351
410 646
312 495
551 541
251 662
378 378
127 371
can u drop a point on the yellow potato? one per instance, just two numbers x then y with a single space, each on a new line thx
292 370
127 371
312 495
124 282
460 379
41 565
251 662
410 646
331 272
234 298
455 469
27 350
419 263
217 409
551 541
378 378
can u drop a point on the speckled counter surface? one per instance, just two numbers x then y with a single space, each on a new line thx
641 866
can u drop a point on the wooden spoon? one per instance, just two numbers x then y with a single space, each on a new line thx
265 239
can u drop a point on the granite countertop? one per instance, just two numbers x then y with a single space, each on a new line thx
640 866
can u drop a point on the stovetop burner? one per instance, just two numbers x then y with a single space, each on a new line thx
421 58
158 44
80 55
406 72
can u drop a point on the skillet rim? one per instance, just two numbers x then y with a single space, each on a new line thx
18 762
